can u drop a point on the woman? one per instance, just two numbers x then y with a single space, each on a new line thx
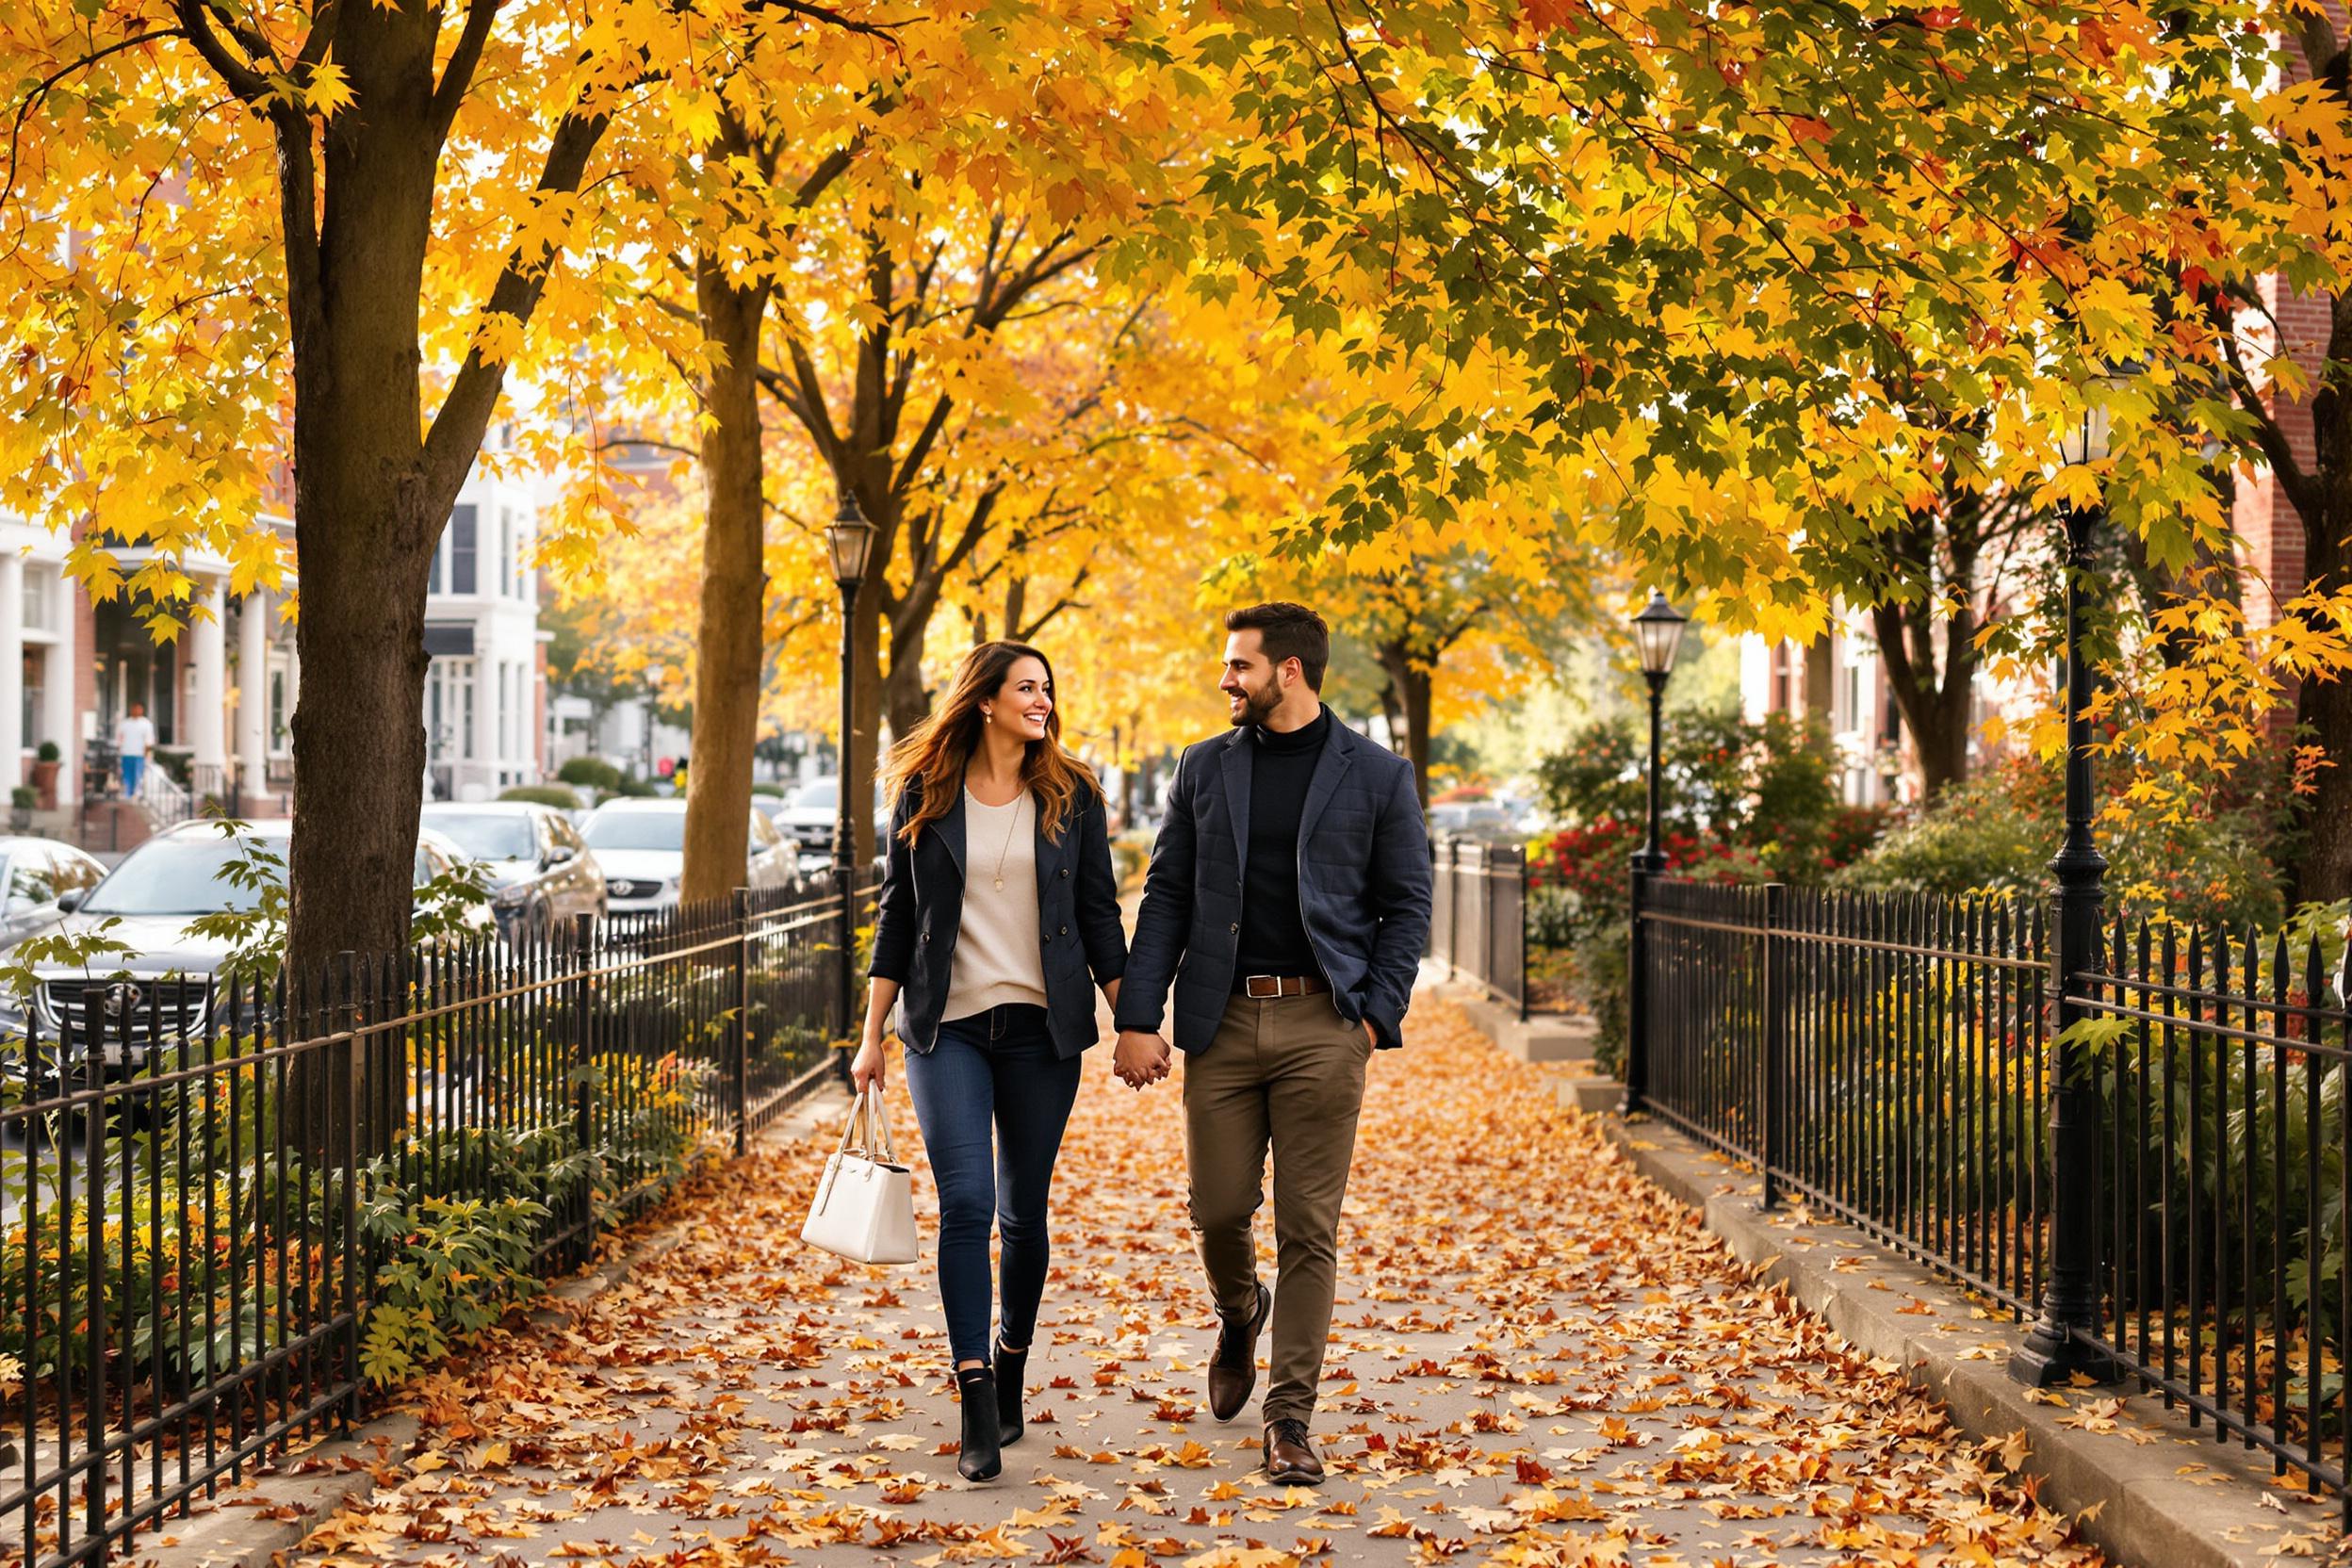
998 905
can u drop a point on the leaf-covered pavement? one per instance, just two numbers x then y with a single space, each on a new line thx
1539 1359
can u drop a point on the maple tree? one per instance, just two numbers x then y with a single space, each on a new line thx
334 276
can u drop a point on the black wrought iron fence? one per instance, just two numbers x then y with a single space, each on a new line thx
229 1209
1478 915
1890 1059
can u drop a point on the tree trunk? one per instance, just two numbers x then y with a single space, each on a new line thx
734 588
1937 710
861 754
369 500
2323 872
905 699
1412 681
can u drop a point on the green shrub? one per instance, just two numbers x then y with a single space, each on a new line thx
1997 831
542 794
591 773
774 792
1741 802
451 1266
46 752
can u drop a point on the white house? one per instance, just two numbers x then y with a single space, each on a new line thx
485 689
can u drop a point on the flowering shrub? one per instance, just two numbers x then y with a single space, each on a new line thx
1741 802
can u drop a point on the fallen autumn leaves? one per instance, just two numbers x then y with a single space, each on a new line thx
1539 1359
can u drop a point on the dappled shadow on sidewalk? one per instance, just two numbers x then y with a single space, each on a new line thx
1537 1358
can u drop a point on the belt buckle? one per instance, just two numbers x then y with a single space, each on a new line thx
1273 986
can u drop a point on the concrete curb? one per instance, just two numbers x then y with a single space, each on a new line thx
2148 1490
260 1520
1538 1037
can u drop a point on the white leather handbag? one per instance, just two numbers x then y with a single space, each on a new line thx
865 1205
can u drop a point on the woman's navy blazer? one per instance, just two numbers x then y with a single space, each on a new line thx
1079 936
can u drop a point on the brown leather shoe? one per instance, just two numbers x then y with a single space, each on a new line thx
1290 1455
1234 1366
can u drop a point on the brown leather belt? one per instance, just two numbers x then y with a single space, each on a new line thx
1266 987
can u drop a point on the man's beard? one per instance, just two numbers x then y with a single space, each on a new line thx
1257 706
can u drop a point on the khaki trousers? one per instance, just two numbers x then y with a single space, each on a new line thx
1289 1074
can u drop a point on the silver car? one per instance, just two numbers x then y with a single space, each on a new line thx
642 846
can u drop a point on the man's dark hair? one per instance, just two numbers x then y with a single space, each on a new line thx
1288 631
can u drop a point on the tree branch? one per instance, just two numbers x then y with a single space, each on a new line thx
456 432
457 77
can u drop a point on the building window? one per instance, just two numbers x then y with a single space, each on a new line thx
506 552
277 705
39 593
450 709
464 549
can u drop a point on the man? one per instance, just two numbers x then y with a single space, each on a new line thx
1290 886
133 735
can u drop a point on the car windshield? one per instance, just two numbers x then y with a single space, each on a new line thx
177 876
818 792
636 831
487 834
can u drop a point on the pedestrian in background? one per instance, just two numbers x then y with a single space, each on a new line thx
134 735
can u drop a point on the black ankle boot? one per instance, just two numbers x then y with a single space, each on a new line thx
983 1457
1012 1371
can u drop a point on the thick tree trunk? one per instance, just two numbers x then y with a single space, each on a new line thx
370 502
1412 681
734 588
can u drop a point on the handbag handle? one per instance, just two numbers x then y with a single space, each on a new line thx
878 1127
875 1138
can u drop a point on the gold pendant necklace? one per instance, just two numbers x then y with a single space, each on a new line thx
1007 847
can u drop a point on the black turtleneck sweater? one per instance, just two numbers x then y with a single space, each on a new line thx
1273 934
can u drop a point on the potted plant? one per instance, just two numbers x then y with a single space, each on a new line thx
21 802
45 775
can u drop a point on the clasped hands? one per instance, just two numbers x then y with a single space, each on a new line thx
1140 1059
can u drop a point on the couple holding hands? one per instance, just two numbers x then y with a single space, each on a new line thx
1286 907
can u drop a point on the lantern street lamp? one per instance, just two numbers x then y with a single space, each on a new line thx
849 538
2061 1341
1658 637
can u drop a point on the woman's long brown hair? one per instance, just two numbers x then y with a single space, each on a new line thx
933 758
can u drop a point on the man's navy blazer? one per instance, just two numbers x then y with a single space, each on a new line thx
922 911
1364 886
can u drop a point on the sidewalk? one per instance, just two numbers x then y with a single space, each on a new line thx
1540 1359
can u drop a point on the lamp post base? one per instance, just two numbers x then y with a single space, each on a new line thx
2050 1357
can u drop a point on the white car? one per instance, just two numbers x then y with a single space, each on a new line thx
642 846
807 815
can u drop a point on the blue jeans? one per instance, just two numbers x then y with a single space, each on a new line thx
131 768
994 1072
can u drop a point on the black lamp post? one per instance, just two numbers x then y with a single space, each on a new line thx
2059 1343
850 538
1657 635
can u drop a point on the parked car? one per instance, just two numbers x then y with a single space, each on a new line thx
33 871
1475 819
540 873
807 814
162 987
642 846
